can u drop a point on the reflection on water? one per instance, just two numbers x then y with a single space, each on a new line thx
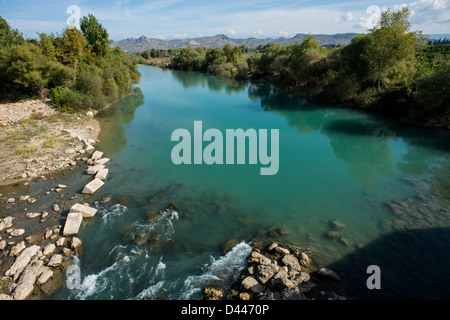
114 118
349 185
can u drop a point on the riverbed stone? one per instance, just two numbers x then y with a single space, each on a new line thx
258 258
94 169
86 211
73 223
6 223
55 260
329 273
265 272
102 174
17 232
291 262
97 155
22 261
93 186
32 215
102 161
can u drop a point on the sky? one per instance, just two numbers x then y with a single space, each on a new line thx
176 19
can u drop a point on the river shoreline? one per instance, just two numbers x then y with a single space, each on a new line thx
37 190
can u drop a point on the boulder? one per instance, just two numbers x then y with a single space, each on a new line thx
45 274
55 260
17 232
102 161
18 248
250 283
258 258
291 262
73 223
329 273
93 186
48 249
281 250
61 242
86 211
76 242
32 215
265 272
102 174
94 169
97 155
22 261
5 223
304 259
280 281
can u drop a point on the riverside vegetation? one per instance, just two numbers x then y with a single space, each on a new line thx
391 69
76 70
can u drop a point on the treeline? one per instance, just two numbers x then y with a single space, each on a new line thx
391 69
77 70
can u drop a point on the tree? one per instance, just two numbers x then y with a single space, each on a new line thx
70 48
96 35
9 36
393 47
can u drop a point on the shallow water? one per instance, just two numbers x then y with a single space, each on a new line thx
382 185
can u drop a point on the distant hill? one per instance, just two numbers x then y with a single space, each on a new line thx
143 43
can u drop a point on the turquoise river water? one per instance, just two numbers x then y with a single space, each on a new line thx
382 186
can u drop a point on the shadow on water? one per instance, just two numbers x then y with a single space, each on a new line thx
423 272
114 118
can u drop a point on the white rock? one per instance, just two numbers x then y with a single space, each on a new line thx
73 223
61 242
32 215
86 211
5 223
45 274
56 207
5 297
102 174
93 186
17 232
24 198
91 141
94 169
55 260
89 147
97 155
10 200
22 261
89 114
2 245
62 186
76 242
49 249
101 161
17 249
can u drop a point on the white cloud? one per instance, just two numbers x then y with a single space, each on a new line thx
348 16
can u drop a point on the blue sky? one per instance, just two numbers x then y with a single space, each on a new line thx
173 19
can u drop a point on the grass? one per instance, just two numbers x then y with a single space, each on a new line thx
26 151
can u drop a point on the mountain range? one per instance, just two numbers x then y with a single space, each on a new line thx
144 43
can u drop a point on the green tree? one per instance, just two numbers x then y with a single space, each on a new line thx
96 35
9 36
70 47
393 47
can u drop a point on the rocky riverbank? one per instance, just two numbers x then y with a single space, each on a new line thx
38 241
279 271
36 139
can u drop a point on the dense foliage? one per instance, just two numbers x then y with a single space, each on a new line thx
77 70
390 69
